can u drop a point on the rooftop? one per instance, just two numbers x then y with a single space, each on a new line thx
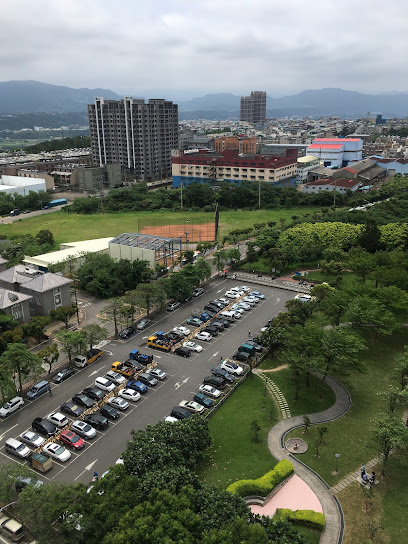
337 182
9 298
325 146
32 278
337 139
144 241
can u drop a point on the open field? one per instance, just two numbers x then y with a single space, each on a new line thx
68 227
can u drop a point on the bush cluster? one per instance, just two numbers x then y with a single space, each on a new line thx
309 518
265 484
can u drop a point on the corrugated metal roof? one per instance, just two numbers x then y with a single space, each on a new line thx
144 241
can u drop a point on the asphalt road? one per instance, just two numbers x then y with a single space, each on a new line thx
11 219
183 378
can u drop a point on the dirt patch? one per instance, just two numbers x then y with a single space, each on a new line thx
187 233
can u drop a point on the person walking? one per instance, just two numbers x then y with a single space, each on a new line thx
49 390
249 334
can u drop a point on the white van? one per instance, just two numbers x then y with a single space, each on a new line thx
230 315
17 448
11 528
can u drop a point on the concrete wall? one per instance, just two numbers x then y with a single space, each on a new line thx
118 251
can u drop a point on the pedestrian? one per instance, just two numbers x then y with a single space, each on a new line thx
220 359
249 334
95 477
49 390
372 478
363 471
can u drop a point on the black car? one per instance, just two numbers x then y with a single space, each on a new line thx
212 308
221 373
217 324
180 413
83 400
94 393
184 352
138 366
210 311
72 409
45 427
63 375
127 332
215 381
109 412
224 322
97 420
257 346
217 304
212 330
242 356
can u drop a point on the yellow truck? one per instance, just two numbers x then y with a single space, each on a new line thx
126 369
159 342
81 361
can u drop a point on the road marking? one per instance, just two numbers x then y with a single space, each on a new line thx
93 373
5 432
101 344
215 354
277 301
186 380
88 467
219 290
177 385
157 356
108 352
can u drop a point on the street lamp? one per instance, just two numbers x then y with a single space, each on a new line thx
76 299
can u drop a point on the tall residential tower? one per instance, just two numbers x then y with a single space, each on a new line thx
136 135
253 108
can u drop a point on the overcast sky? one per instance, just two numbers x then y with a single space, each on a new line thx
193 47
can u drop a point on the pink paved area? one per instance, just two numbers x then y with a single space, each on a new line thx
295 494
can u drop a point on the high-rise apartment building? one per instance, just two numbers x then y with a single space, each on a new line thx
137 135
253 108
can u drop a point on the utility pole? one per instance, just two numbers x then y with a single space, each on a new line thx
181 196
259 195
334 196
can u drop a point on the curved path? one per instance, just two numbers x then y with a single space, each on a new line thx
333 531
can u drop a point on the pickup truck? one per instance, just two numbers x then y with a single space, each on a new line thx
126 368
160 342
141 358
81 361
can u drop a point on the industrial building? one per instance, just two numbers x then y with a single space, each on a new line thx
154 249
253 107
341 185
304 166
136 135
336 152
21 186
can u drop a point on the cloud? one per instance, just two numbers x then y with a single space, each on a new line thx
210 46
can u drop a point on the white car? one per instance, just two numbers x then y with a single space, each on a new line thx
244 288
171 419
244 305
83 429
232 368
303 297
192 406
105 384
224 301
182 330
206 336
32 439
251 299
118 403
11 406
58 419
129 394
57 452
210 391
193 346
115 377
156 372
232 294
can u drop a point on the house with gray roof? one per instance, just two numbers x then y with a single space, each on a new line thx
15 304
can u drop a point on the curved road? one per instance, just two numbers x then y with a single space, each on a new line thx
333 531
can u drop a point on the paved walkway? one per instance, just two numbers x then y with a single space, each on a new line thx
333 531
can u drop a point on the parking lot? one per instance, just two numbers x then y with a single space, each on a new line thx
184 375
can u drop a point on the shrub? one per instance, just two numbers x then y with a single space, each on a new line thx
265 484
308 518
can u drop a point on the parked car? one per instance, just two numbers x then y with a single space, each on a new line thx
117 403
192 406
32 439
211 330
217 324
109 412
232 294
137 386
250 300
242 356
63 375
17 448
223 301
182 351
104 384
58 419
38 389
69 438
215 381
257 294
11 406
44 427
232 368
83 400
94 393
27 481
180 413
210 312
142 325
83 429
97 421
156 373
115 377
175 336
72 409
303 297
217 304
210 391
212 308
171 419
202 335
194 321
57 452
245 305
203 400
221 373
173 306
197 292
129 394
193 346
184 331
225 322
258 347
127 332
243 288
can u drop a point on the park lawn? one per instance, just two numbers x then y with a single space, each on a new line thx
234 455
315 398
70 227
312 535
350 435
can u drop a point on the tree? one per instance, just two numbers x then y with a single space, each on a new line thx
35 327
389 433
340 350
203 269
113 309
332 268
394 397
205 247
277 258
369 239
45 238
322 430
94 334
188 256
149 294
361 262
365 311
64 314
220 259
9 472
336 305
401 370
322 291
255 428
234 255
22 362
306 421
73 342
49 355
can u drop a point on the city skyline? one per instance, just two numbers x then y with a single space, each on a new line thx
190 48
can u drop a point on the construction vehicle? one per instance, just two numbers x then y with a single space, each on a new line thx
81 361
141 358
126 368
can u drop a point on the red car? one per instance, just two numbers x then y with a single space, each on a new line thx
71 439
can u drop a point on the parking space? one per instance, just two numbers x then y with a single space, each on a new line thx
184 375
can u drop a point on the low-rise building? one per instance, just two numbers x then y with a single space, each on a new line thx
15 304
244 145
341 185
336 152
145 247
20 185
304 166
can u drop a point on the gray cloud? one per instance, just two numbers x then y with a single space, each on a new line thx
211 46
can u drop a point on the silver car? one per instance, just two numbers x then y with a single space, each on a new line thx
83 429
32 439
11 406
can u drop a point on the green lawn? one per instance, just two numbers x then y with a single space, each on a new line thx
315 398
350 435
234 454
73 227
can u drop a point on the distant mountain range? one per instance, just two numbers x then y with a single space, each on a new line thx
34 97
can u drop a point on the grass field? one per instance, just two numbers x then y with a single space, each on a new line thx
73 227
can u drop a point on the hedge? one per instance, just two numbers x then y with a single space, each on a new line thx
309 518
265 484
